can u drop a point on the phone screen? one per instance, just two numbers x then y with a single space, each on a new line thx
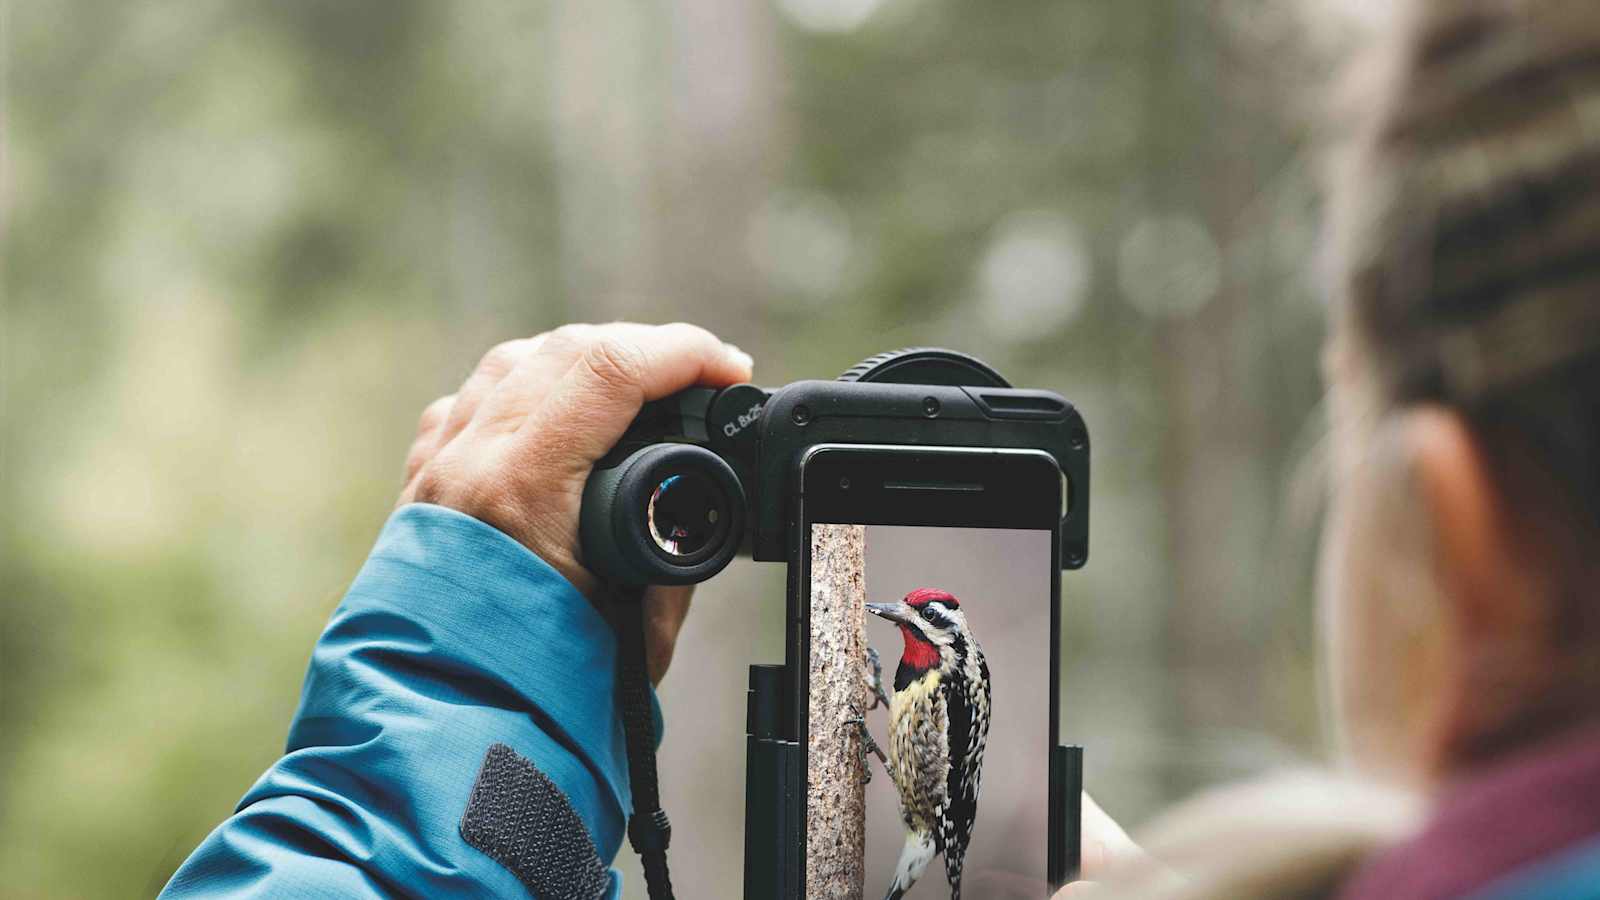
997 588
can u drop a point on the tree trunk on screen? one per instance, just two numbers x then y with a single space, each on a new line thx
835 793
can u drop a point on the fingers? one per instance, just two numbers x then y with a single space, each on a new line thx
1107 850
427 442
1105 843
445 417
1097 858
434 416
619 368
525 388
657 360
515 445
498 363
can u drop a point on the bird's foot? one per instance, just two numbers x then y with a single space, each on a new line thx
874 677
868 745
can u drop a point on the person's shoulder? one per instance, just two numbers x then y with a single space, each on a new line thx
1573 874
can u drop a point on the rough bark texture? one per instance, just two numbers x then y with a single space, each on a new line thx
835 795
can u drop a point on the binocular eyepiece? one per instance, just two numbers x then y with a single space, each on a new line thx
669 513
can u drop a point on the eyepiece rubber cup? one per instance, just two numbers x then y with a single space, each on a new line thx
668 514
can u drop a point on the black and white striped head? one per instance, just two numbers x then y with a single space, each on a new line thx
931 621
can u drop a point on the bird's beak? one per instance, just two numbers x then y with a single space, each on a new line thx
895 612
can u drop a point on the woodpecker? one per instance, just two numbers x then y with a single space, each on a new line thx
938 726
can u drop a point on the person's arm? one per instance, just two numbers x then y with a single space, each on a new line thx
453 639
458 731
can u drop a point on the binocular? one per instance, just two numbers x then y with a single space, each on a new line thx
701 474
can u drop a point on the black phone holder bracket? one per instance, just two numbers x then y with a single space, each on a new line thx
977 404
706 472
737 449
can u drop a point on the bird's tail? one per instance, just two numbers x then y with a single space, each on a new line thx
914 859
952 870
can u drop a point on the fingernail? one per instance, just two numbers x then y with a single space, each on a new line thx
740 355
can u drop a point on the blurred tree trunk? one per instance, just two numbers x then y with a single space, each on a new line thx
835 783
1204 166
666 123
607 101
719 160
667 119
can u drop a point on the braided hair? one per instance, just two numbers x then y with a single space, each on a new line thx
1465 218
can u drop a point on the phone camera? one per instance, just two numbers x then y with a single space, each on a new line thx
844 483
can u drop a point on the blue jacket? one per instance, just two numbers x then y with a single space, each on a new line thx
453 638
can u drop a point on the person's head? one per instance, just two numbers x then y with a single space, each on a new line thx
1461 563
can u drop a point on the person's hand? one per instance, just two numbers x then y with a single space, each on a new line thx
1106 846
514 446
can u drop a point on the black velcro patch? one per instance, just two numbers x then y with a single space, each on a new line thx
521 819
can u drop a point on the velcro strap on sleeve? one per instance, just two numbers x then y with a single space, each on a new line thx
520 819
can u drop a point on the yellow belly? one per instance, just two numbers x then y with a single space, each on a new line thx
919 753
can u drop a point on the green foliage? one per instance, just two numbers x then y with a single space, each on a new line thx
247 242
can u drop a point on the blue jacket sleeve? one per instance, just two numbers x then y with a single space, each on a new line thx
452 638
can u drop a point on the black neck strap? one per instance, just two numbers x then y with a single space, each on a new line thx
648 829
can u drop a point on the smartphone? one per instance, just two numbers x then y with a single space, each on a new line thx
981 526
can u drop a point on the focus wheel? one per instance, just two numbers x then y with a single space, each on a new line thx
925 365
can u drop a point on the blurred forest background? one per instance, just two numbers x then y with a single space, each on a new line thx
245 243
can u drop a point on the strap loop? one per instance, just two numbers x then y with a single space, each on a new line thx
650 835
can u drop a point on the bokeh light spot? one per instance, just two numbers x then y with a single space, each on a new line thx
829 15
1169 266
1034 276
802 242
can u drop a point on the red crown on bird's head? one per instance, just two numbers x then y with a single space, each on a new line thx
923 596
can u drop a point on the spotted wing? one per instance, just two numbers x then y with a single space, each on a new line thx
969 734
